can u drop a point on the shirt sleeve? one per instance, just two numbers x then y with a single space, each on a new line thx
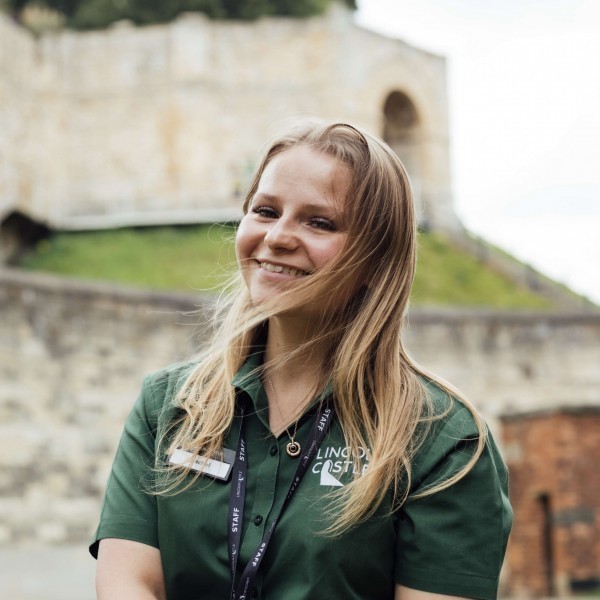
453 542
129 512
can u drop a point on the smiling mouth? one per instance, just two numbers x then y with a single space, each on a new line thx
281 269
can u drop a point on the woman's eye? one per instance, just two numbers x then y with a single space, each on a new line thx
321 223
264 211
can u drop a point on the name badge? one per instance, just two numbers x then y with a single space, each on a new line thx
218 467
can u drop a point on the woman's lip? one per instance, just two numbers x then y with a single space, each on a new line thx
281 269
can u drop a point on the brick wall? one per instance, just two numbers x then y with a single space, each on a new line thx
554 462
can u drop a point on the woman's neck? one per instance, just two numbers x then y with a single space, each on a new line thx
293 373
294 344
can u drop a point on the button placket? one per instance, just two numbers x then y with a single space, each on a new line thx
266 485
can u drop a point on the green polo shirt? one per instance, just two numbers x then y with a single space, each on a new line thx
451 543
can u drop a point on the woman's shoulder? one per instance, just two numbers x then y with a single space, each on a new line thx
447 412
160 387
173 374
450 426
448 436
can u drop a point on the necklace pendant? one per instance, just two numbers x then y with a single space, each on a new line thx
293 449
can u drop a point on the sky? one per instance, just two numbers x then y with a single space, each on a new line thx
524 101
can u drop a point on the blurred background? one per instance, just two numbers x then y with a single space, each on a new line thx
128 134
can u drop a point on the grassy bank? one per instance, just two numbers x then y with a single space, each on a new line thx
202 257
182 258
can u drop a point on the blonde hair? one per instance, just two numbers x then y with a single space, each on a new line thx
379 392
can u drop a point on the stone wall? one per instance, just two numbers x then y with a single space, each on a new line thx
71 361
512 363
17 106
72 356
165 123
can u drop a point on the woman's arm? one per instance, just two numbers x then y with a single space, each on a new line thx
129 570
404 593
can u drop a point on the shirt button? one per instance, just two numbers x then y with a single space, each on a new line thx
274 450
258 520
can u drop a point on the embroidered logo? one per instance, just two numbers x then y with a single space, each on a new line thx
332 463
326 477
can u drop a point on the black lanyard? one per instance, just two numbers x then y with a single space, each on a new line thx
238 493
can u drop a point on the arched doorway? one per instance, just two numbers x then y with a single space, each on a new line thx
18 233
402 131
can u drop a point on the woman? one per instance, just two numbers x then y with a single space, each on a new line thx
305 455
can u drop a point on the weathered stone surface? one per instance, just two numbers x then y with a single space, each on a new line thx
165 123
70 367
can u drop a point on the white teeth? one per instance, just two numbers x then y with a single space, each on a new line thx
280 269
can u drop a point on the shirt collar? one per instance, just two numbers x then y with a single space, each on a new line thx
248 379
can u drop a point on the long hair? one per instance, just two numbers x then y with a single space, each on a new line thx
379 392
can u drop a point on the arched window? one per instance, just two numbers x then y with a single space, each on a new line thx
402 131
401 119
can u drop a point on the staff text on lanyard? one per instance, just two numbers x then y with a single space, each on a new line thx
316 435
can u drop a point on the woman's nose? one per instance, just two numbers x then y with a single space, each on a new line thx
282 234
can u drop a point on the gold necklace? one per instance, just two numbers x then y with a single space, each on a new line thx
293 447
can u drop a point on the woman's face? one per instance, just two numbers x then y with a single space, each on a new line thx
295 222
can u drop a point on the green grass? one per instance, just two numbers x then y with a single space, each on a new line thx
182 258
451 277
201 257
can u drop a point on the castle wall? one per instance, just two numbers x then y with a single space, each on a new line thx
165 123
17 63
72 356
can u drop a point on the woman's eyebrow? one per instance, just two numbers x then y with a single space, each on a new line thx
265 196
322 209
326 207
